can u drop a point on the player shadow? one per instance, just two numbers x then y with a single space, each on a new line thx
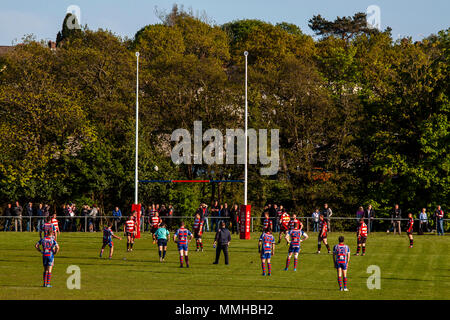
19 287
418 280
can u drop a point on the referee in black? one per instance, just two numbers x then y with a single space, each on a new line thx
221 241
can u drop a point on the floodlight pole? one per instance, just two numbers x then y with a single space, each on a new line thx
246 136
137 132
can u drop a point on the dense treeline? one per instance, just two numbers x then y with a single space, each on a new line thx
362 118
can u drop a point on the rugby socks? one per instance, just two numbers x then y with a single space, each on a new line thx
364 249
345 282
197 243
357 250
49 277
164 254
295 263
201 245
288 260
181 261
187 261
319 246
159 252
340 282
128 246
328 247
269 268
411 241
45 278
263 265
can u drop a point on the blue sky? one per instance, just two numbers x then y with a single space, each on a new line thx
416 18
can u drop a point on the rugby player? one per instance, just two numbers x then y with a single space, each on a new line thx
293 222
409 229
267 242
182 238
361 236
296 236
107 240
198 231
162 235
49 249
323 231
341 259
47 228
267 222
130 231
284 226
56 225
155 221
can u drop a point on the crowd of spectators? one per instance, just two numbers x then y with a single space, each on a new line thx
87 218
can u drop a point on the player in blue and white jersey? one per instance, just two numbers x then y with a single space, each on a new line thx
296 237
49 248
266 247
341 259
108 235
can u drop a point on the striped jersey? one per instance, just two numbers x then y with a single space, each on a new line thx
293 222
48 228
323 227
198 225
107 234
267 240
155 221
362 230
55 224
48 246
285 219
267 223
341 252
409 228
296 237
130 225
182 235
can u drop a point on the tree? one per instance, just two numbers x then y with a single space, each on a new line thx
345 28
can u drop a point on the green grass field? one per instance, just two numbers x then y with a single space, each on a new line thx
422 272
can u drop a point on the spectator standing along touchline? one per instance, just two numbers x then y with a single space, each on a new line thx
396 218
315 216
423 221
439 221
327 213
370 215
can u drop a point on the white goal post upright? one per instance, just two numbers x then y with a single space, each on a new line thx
136 181
246 137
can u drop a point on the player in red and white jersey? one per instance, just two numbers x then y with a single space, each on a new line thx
409 229
267 222
155 221
198 231
361 235
294 221
56 226
323 232
130 231
284 226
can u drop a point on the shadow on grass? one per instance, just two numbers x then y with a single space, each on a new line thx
409 279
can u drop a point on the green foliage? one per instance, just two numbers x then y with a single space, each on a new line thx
362 119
